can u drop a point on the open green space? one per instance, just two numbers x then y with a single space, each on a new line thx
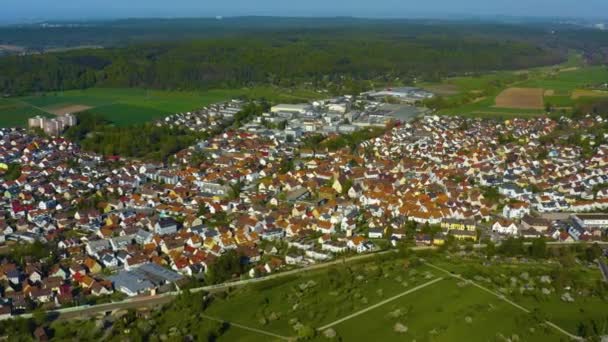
15 113
540 286
446 311
317 299
566 86
132 105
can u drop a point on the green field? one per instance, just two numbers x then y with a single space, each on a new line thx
446 311
15 113
129 106
475 95
444 308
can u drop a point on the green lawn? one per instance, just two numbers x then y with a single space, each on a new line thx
125 114
128 106
323 301
582 281
15 113
445 311
448 310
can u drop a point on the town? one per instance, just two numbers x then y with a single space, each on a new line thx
295 186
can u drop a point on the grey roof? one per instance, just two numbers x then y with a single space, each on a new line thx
131 281
156 274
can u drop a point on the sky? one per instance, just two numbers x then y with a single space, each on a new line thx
19 10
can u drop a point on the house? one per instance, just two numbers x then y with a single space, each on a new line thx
360 244
92 265
334 246
272 234
375 233
131 284
121 242
505 227
165 226
108 260
273 264
98 289
293 259
530 233
96 246
591 220
516 210
317 255
463 234
536 223
449 224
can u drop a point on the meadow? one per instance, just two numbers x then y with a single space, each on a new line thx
495 94
408 299
131 106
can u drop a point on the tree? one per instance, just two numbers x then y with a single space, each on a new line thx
512 247
490 249
225 268
13 172
306 333
538 249
593 252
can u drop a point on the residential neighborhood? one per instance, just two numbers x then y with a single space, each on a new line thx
86 228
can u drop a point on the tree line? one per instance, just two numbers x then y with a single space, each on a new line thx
278 60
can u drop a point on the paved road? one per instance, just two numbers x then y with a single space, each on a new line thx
361 312
501 296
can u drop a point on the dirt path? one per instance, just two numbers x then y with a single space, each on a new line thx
263 332
361 312
501 296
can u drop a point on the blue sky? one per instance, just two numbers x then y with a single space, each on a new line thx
12 10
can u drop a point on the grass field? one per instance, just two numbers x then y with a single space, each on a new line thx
387 301
565 86
15 113
446 311
129 106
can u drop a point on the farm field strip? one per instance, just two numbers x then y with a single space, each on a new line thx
504 298
524 98
381 303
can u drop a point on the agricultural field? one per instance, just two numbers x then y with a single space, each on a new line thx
437 298
129 106
520 98
15 113
523 93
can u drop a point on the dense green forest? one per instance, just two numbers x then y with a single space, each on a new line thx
236 62
199 54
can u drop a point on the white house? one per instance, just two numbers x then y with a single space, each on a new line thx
506 227
516 210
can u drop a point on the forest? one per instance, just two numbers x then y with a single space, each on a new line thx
275 53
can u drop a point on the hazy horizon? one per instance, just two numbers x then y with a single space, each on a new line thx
18 11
